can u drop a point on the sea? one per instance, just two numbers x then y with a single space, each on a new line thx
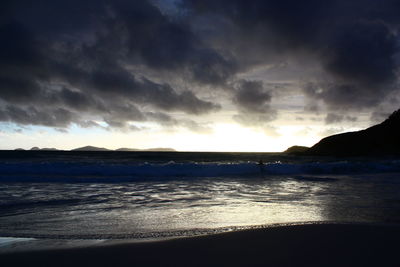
65 198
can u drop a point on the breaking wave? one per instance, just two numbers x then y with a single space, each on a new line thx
103 172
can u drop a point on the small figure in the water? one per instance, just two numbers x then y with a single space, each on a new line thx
260 162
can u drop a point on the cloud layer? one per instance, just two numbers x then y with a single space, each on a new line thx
80 66
356 42
121 61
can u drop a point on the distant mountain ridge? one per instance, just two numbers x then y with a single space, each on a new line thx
124 149
381 139
94 148
37 148
90 148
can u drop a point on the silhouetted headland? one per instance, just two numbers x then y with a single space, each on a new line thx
378 140
296 150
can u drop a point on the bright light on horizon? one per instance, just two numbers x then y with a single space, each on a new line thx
234 138
224 137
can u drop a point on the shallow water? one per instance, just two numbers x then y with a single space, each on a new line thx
150 195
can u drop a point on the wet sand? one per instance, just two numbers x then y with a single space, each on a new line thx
299 245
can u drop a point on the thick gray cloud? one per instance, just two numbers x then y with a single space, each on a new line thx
87 66
332 118
379 116
356 42
255 120
253 103
252 97
82 64
57 117
171 123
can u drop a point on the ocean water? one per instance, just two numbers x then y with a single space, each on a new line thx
146 195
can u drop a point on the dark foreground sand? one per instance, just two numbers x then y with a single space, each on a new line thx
301 245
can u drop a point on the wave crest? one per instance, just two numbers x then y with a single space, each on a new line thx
84 172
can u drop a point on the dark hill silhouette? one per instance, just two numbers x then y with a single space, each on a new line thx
296 150
123 149
90 148
381 139
35 148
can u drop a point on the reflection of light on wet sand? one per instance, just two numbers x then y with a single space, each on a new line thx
285 201
157 209
236 204
115 211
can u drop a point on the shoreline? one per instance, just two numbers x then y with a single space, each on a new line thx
321 244
33 243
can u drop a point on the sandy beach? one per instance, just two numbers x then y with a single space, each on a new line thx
298 245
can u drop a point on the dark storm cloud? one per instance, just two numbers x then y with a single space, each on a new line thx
363 52
355 41
57 117
347 96
76 55
361 58
120 114
163 44
252 97
82 57
253 103
120 84
165 98
332 118
74 99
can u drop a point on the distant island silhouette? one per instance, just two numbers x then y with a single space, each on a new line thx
94 148
380 139
43 149
90 148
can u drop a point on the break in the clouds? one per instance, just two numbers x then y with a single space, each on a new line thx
126 61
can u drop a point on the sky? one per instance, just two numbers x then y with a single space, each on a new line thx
194 75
